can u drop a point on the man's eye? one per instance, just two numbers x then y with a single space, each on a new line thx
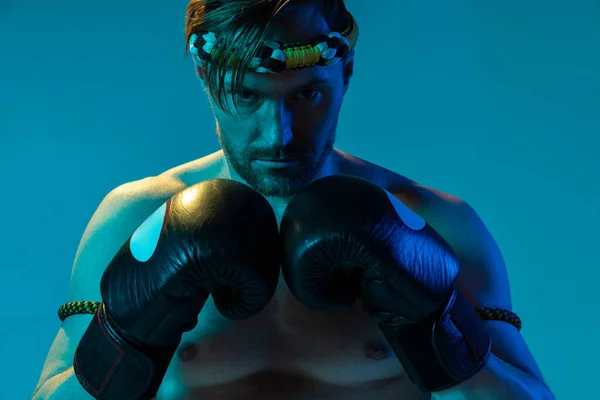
247 95
309 94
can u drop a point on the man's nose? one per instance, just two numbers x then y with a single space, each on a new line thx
278 130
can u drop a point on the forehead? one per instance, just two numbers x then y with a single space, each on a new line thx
299 23
286 81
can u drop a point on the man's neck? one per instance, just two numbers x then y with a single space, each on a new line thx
330 167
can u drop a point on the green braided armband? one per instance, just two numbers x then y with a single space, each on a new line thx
77 307
499 314
485 314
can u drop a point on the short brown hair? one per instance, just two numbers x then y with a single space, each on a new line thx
251 18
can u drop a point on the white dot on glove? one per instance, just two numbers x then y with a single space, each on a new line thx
408 216
144 240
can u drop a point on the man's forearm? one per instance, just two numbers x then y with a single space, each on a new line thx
63 386
498 381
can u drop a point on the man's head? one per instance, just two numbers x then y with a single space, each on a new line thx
289 115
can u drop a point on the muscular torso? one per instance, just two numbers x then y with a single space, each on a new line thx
288 351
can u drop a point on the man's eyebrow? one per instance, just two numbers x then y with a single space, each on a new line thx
314 81
317 80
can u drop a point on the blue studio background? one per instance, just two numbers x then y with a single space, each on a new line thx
494 102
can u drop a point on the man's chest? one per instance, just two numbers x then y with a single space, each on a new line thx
336 347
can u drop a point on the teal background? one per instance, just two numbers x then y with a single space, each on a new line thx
494 102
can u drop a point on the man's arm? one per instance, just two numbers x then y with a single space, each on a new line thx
117 216
511 372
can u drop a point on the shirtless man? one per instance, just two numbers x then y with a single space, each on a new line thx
276 127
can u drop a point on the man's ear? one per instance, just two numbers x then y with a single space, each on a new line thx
348 69
200 73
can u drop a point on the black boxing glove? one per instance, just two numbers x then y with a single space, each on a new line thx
218 237
344 237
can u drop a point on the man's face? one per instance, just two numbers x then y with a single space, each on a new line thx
284 129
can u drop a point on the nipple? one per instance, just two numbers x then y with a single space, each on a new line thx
376 350
187 352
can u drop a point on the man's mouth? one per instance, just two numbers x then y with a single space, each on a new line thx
278 163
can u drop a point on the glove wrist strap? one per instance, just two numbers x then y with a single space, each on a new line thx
110 367
441 353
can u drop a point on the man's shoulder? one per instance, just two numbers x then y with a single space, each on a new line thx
208 167
414 194
170 182
141 196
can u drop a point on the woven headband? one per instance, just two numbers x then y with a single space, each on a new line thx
275 56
